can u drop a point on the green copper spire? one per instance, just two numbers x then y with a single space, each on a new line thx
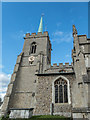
40 29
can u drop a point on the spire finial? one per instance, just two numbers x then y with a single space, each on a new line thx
40 29
74 30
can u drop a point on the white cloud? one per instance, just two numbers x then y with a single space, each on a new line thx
58 33
67 55
1 66
3 89
4 77
60 36
4 81
58 24
18 35
2 96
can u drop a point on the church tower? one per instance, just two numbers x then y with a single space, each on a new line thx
35 58
40 88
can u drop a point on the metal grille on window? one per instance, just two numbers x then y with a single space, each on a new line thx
61 92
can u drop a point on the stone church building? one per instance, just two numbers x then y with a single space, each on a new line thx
38 87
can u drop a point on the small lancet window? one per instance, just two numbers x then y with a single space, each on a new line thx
61 92
33 47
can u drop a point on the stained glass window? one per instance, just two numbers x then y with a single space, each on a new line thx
65 94
61 92
56 94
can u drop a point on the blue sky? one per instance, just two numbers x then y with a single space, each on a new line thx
19 18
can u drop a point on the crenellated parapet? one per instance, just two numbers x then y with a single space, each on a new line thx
61 65
39 34
36 37
60 68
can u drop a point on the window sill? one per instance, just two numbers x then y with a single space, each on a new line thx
61 104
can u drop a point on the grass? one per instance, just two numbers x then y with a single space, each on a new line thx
42 117
49 117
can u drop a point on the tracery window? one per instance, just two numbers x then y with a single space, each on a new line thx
33 47
61 92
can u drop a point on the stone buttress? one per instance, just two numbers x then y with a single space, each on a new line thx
81 86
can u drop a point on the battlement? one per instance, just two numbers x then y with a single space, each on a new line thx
62 65
28 35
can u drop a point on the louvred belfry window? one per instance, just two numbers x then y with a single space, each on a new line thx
33 47
61 92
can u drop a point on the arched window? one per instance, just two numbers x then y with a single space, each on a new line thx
33 47
61 91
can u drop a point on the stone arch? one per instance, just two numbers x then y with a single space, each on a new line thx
33 47
53 90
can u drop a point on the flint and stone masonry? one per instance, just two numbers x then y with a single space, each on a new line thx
38 88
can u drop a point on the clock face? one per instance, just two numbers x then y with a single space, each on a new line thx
31 58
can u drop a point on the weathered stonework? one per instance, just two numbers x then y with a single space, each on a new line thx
44 95
32 82
21 113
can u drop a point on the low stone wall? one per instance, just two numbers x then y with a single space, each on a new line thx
62 110
21 113
81 116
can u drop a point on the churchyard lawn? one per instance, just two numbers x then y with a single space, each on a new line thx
42 117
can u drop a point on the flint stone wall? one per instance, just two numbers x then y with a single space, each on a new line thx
44 97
